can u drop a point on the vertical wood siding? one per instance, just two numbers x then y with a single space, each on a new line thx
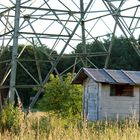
90 100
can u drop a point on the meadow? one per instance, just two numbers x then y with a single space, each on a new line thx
44 126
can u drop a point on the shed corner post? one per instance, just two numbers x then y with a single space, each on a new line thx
99 102
83 102
139 107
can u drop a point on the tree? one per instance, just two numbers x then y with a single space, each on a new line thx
123 56
26 58
64 99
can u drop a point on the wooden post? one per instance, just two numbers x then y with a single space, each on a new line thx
0 103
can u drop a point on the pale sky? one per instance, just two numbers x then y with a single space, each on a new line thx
96 27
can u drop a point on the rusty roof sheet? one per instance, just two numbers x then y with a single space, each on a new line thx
108 76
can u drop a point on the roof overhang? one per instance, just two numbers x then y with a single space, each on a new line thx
108 76
80 77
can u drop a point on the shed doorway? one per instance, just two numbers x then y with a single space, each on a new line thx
90 101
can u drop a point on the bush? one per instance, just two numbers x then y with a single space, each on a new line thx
62 97
11 118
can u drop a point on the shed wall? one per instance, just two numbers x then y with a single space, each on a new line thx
118 106
91 100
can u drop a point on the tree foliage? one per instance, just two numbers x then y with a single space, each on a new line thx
65 99
27 59
123 56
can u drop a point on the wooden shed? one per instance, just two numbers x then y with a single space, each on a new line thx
109 93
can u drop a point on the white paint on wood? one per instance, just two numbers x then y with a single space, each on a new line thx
90 101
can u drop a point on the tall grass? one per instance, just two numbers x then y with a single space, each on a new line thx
43 126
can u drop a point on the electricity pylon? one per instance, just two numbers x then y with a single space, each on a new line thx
60 25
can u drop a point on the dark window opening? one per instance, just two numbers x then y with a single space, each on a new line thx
121 90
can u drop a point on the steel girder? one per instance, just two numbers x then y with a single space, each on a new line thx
60 25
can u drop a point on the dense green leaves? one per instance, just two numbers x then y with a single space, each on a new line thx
123 56
65 99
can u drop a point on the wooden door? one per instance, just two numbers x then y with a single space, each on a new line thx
93 102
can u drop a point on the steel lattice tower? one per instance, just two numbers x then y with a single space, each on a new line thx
61 25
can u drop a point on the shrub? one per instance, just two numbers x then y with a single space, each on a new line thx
11 118
62 97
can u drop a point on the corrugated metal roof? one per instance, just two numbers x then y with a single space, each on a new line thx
99 75
134 76
119 76
108 76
